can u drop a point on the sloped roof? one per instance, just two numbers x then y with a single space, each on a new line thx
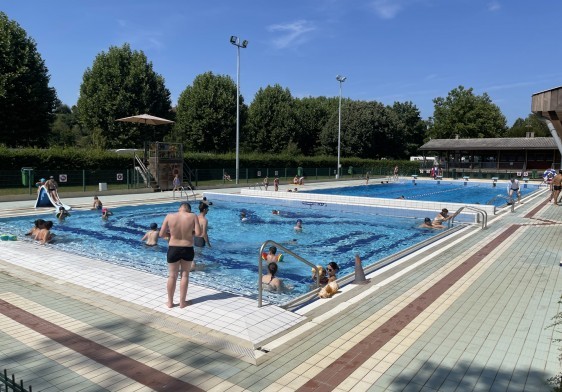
508 143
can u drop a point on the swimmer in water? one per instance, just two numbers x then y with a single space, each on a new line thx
151 236
298 226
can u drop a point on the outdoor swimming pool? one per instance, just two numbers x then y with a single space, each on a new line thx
442 191
231 264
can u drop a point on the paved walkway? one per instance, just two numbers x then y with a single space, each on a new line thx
468 314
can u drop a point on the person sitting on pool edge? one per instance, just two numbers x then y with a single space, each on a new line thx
151 236
427 224
442 217
97 204
269 281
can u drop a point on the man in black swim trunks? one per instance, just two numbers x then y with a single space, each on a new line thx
180 228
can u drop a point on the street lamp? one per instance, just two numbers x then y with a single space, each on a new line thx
234 40
340 79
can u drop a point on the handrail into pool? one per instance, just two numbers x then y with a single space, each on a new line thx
257 184
479 211
182 189
279 246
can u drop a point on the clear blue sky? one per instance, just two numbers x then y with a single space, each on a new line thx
390 50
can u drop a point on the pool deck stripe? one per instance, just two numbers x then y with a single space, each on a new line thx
337 372
120 363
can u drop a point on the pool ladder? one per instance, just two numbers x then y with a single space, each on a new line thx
287 251
185 189
479 212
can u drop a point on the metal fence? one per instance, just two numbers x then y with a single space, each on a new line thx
25 181
8 384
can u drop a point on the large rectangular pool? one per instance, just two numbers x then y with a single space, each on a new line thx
231 264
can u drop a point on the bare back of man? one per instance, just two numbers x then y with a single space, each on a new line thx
180 228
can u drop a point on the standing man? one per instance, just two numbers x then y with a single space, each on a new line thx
514 188
266 182
556 187
276 184
395 173
180 228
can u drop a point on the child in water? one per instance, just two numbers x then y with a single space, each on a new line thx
62 214
105 214
151 236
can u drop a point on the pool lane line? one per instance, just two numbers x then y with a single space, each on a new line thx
339 370
131 368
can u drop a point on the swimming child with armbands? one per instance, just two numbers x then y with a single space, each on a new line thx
272 257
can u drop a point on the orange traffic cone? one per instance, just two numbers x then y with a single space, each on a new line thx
359 273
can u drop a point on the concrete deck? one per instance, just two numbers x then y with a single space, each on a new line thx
469 313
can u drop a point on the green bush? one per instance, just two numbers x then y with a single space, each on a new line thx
90 159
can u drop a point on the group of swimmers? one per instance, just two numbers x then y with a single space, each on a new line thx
272 283
41 231
437 222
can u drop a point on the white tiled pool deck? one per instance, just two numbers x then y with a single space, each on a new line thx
469 313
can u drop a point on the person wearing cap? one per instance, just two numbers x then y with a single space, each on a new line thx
105 213
180 227
39 184
298 226
151 236
428 225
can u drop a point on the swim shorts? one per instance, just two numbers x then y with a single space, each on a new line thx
199 242
557 188
177 253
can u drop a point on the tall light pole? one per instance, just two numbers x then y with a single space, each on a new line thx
234 40
340 79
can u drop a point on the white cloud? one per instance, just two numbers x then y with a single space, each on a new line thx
494 6
387 9
291 33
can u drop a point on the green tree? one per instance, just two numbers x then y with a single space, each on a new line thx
312 114
206 114
122 83
64 130
366 130
532 123
411 129
272 124
26 100
466 115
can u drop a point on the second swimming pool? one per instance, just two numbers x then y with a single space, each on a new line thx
440 191
231 263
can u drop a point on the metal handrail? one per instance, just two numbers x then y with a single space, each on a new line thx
257 184
144 171
479 211
288 251
182 190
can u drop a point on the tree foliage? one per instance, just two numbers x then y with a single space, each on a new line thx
26 100
272 123
532 123
368 130
121 83
467 115
411 129
206 114
312 114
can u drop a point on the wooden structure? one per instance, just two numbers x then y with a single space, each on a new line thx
494 154
165 160
548 104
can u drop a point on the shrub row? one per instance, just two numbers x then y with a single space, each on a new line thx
86 159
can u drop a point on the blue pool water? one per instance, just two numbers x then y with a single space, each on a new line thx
445 191
231 264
